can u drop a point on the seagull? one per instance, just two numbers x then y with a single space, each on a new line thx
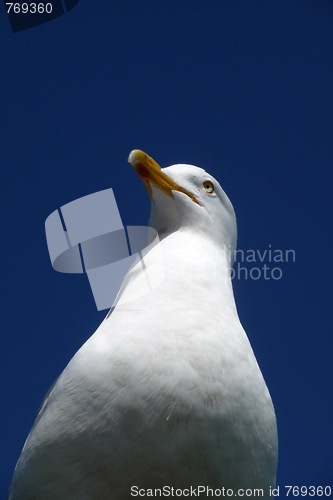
167 393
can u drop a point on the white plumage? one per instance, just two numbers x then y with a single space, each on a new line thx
167 391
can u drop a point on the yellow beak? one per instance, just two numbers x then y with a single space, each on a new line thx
150 172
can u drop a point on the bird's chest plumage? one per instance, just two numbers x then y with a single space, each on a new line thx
183 406
183 403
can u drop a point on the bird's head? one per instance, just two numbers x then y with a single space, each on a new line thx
186 197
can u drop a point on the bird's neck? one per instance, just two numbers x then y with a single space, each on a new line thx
198 261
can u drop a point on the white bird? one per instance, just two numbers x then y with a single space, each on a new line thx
167 392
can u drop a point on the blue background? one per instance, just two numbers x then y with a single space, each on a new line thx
242 88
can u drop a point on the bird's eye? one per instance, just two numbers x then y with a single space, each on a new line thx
208 187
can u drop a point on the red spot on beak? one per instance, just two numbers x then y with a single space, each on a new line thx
142 170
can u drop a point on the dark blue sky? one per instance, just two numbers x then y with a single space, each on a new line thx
241 88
